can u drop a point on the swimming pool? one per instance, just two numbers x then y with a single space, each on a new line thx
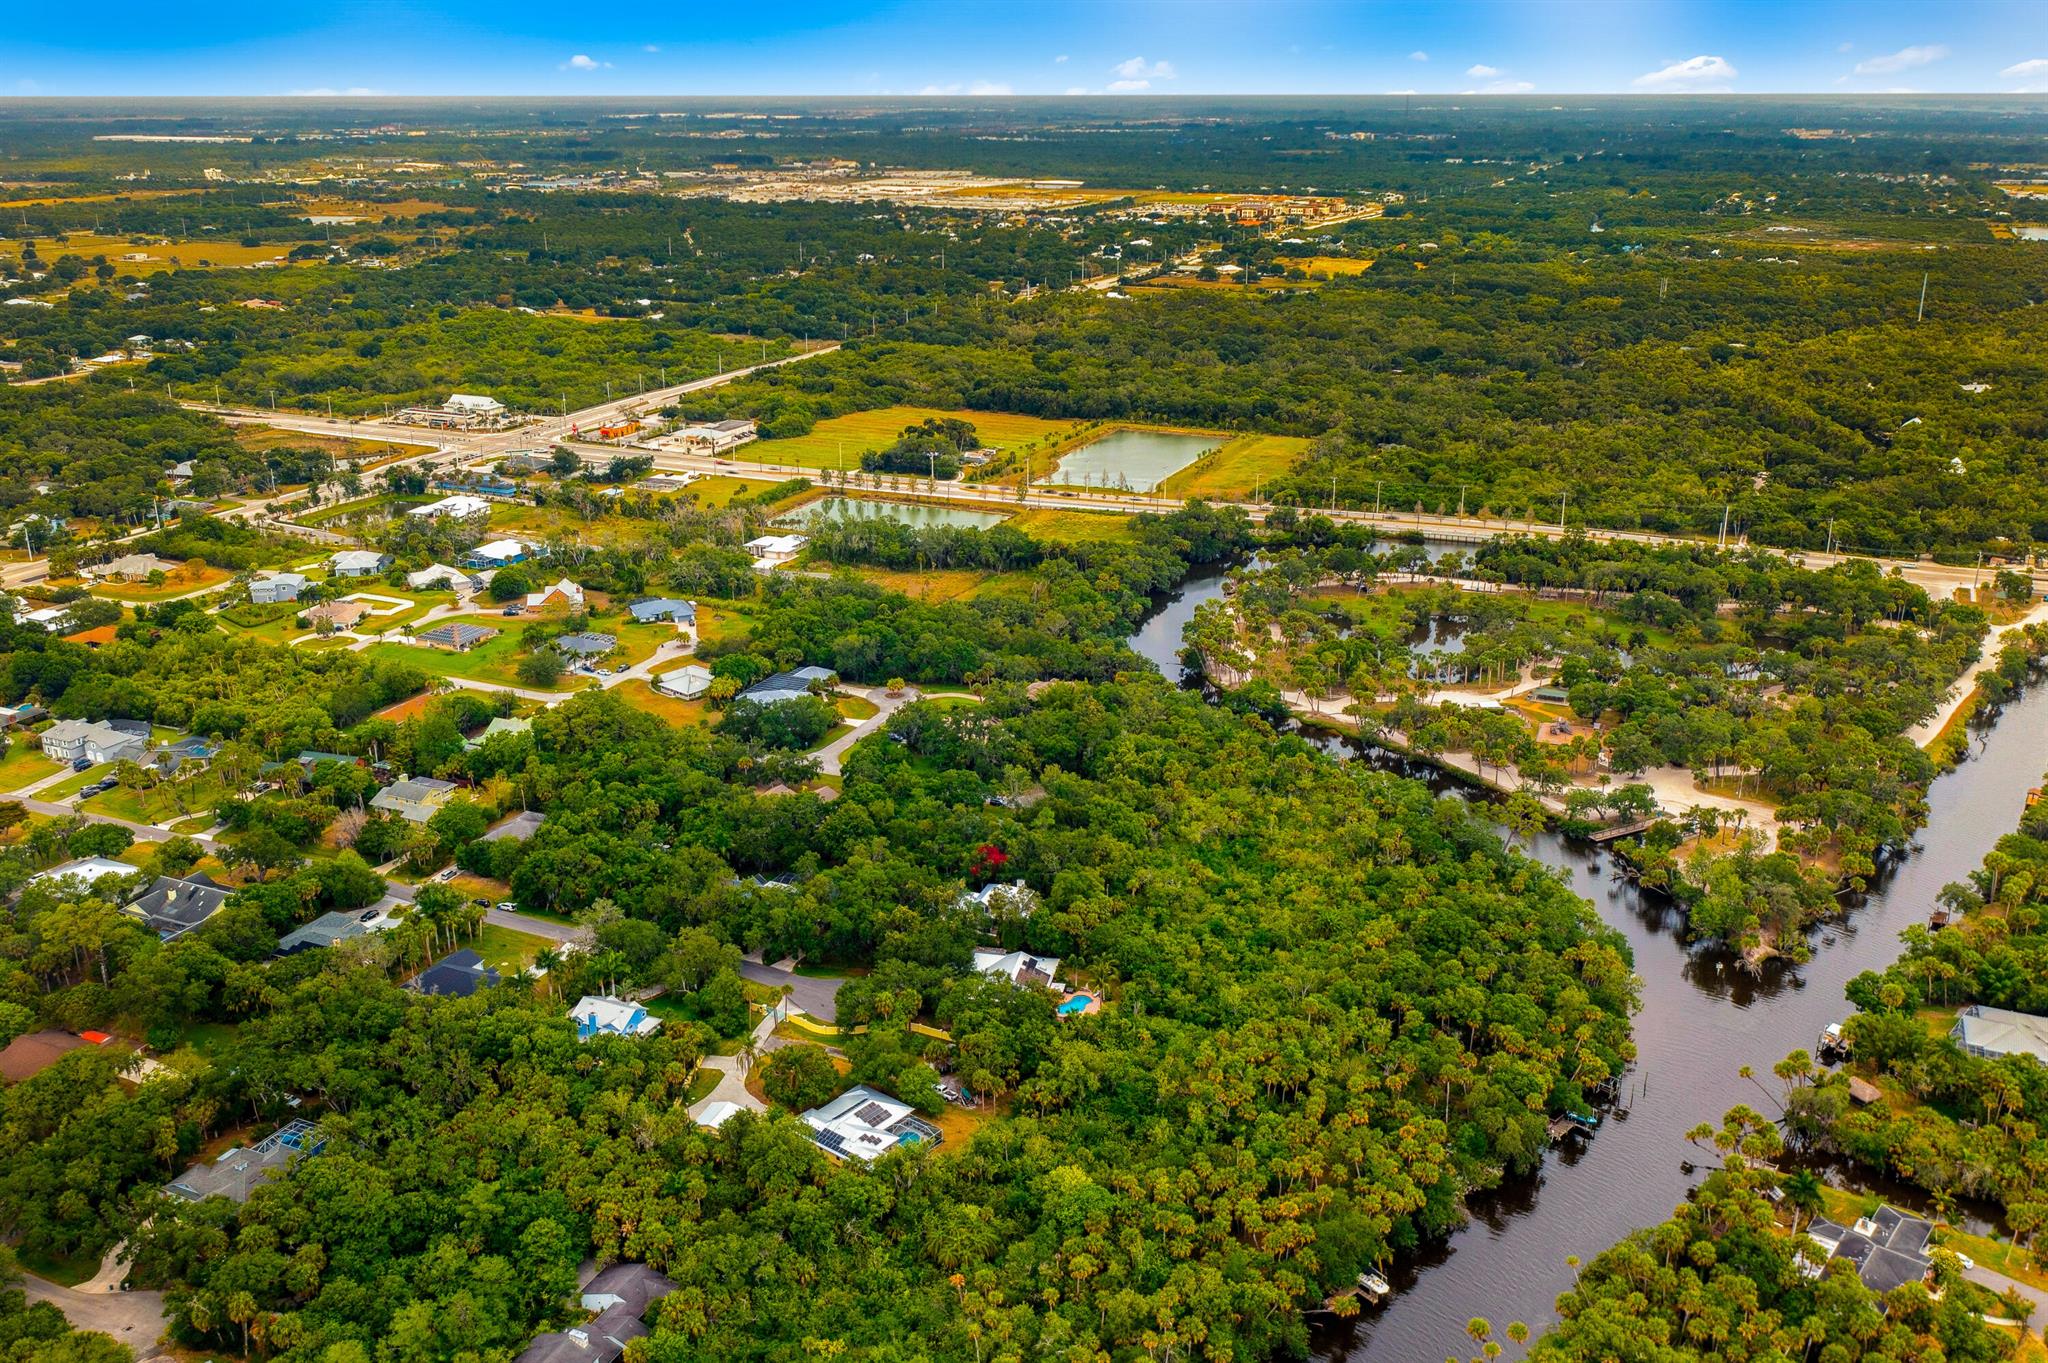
1075 1003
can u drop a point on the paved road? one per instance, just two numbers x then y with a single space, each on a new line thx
563 933
134 1318
819 998
1998 1282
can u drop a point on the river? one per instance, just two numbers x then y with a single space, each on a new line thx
1701 1021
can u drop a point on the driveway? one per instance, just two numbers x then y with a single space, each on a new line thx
1998 1282
134 1318
834 753
818 997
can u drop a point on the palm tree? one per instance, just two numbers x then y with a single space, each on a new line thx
1803 1191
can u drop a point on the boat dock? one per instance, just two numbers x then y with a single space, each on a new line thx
1619 831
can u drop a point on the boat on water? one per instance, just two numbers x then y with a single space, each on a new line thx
1374 1286
1834 1043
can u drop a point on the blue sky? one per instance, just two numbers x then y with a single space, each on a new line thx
1026 47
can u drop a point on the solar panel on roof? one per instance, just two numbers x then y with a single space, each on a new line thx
831 1141
872 1114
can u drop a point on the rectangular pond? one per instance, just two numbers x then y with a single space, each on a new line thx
908 513
1135 460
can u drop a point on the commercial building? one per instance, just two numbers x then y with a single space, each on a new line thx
461 412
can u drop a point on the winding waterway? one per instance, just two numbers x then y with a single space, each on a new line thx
1701 1021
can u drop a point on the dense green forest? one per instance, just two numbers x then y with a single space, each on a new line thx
1955 1124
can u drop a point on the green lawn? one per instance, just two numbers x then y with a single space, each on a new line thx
701 1085
1072 527
154 806
508 950
77 781
25 765
64 1270
1243 464
839 441
494 660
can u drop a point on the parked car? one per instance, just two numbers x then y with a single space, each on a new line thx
509 905
448 874
82 764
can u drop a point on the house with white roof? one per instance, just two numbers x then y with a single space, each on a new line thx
497 554
277 588
438 574
86 870
462 504
865 1123
717 1114
599 1015
358 563
769 551
685 683
1018 967
1992 1033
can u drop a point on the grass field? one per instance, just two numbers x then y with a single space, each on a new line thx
1327 267
714 492
178 583
859 431
369 211
508 950
273 437
942 584
642 696
157 254
1072 527
1243 464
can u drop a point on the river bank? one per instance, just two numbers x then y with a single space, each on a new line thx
1704 1017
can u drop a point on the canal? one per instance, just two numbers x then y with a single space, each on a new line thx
1702 1020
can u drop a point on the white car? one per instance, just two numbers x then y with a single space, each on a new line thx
508 905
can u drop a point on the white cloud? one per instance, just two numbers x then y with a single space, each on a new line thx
1418 56
952 89
1845 47
1504 87
1694 73
583 62
1401 92
1077 89
1138 69
1482 71
1128 87
2032 75
990 87
650 47
323 92
1060 60
1905 59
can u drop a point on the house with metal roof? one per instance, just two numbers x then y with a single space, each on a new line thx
358 563
497 554
277 588
332 929
687 682
600 1015
417 798
85 870
865 1123
438 575
664 608
1990 1033
787 686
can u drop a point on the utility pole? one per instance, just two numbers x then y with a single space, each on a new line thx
1376 496
1562 498
1461 501
1333 494
1923 298
1725 507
